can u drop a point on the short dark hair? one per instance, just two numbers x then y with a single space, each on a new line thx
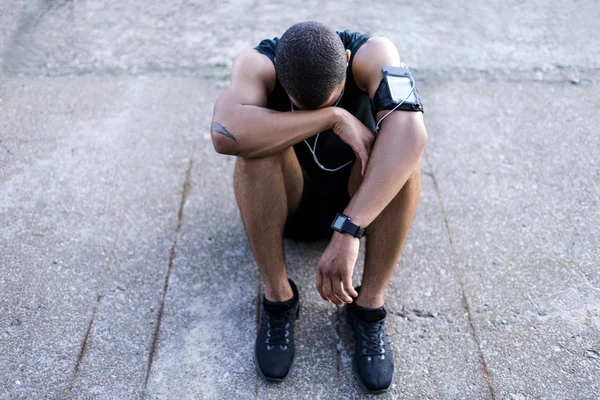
310 62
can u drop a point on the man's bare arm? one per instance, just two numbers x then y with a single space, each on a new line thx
399 145
395 155
243 126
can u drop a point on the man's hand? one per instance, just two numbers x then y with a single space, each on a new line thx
356 135
334 272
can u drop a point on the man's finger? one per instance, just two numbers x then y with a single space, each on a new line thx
320 286
349 288
329 292
341 293
370 144
339 301
364 161
338 291
327 289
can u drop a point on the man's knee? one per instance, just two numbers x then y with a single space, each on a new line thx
277 174
263 166
271 159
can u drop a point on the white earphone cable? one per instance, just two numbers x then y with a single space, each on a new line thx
313 150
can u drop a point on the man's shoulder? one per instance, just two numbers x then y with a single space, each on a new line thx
350 38
268 47
250 67
370 59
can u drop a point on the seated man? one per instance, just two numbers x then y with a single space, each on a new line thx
299 117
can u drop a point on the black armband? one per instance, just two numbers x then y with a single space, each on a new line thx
396 91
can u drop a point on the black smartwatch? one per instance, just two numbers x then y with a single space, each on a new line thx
342 224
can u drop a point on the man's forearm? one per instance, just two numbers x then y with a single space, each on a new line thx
251 131
397 150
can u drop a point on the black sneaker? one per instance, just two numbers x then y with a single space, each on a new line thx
373 358
274 350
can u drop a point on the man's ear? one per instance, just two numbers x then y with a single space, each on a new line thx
348 54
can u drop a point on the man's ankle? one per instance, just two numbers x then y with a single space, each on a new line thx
279 292
368 301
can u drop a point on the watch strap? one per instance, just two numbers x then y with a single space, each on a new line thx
353 229
348 226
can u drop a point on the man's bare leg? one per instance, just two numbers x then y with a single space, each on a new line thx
386 236
267 190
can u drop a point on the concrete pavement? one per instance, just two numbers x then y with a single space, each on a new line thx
124 268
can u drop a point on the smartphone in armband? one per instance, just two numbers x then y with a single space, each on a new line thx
396 91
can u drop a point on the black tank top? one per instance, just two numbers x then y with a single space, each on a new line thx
331 151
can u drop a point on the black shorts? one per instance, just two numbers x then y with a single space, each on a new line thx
324 195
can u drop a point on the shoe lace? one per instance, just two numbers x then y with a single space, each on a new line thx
278 332
373 339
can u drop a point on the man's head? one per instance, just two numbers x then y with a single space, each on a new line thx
311 64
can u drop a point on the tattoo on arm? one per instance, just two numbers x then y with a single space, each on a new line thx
218 128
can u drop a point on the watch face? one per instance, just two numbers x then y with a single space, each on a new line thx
339 222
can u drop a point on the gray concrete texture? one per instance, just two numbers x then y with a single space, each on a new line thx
124 268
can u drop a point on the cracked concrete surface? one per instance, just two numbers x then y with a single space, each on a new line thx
124 268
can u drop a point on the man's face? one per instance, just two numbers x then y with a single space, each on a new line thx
331 101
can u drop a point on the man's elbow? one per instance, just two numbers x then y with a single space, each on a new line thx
222 144
416 135
421 137
406 129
